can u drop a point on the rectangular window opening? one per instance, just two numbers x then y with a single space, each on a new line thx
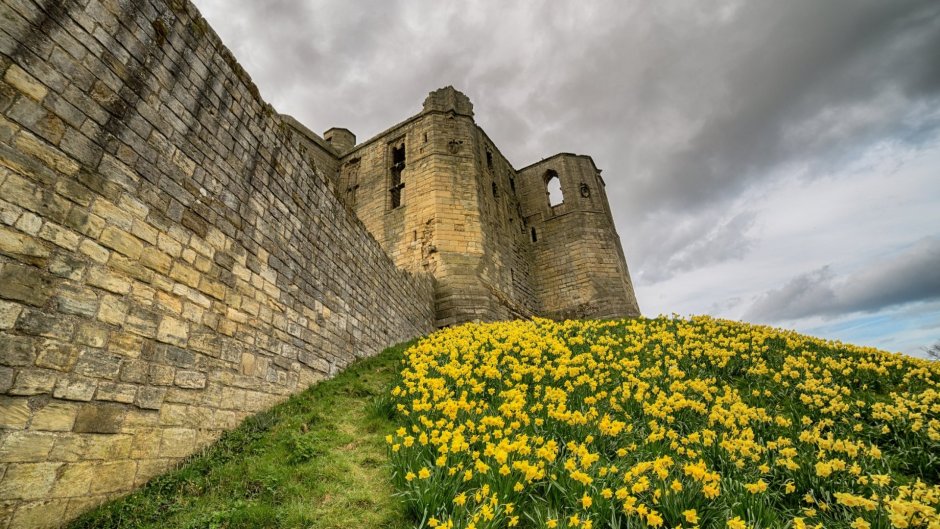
398 165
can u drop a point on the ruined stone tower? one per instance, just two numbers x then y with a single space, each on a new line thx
439 197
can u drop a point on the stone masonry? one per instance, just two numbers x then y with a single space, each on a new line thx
175 255
440 198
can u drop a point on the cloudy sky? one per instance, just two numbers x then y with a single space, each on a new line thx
772 161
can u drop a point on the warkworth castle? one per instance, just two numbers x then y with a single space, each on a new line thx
440 198
176 256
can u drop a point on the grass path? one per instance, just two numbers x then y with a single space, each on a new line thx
317 460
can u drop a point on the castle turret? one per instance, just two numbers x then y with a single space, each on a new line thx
580 269
341 139
449 99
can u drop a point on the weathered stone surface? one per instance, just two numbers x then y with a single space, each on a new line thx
26 446
75 387
9 312
33 382
27 481
16 350
112 477
14 413
121 241
173 331
190 379
55 416
39 515
54 354
99 418
25 83
25 283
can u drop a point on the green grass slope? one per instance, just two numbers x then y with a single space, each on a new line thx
317 460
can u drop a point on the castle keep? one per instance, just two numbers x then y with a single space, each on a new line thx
175 255
440 199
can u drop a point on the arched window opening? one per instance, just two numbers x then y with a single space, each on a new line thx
553 186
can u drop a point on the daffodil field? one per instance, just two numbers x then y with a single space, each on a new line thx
663 422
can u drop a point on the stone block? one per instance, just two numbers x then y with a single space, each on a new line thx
314 361
130 268
37 323
53 354
126 344
74 480
143 322
7 374
122 242
135 371
108 447
73 299
68 448
67 266
25 83
22 246
144 231
46 153
73 387
33 382
25 283
113 477
55 416
112 310
17 351
162 375
106 279
146 444
190 379
156 260
29 223
92 334
22 447
28 481
187 416
173 331
116 391
60 236
95 251
150 398
14 412
177 442
99 418
86 223
150 468
96 363
45 514
9 312
185 275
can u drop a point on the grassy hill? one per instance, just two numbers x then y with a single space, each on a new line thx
625 424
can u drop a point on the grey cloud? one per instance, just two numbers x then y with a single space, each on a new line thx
686 106
911 276
685 245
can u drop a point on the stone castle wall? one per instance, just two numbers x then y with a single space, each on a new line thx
170 258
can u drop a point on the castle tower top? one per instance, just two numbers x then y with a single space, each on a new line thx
343 140
449 99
